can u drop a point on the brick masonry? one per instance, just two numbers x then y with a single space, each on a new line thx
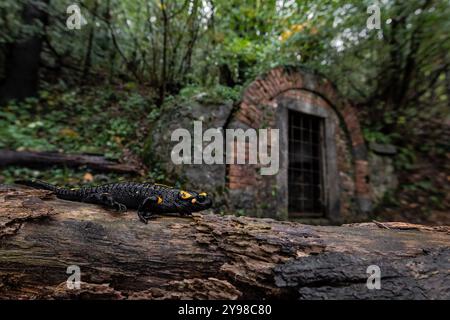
257 110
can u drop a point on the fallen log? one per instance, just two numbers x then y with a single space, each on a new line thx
45 159
208 256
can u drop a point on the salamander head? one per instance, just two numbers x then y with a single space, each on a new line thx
181 201
191 201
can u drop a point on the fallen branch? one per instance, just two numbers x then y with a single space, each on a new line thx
208 256
44 159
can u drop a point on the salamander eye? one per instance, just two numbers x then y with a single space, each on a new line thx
185 195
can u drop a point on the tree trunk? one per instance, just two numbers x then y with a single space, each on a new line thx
23 59
163 79
44 159
87 58
208 256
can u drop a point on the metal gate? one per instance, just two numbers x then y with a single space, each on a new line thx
305 170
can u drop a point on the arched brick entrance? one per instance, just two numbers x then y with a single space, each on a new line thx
264 104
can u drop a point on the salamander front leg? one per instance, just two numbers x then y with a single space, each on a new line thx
185 213
144 216
143 211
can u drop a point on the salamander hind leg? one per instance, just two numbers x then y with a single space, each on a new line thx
185 213
106 200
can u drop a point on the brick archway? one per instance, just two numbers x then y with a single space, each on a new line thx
305 85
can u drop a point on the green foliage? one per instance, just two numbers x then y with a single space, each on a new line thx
376 136
98 120
405 158
157 175
179 43
210 95
12 28
240 213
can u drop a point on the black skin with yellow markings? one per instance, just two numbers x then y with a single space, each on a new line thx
148 199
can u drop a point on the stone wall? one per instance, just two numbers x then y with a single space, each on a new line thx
383 176
158 146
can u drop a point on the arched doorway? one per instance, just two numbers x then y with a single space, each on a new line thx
323 159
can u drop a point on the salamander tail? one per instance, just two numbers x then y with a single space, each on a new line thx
37 184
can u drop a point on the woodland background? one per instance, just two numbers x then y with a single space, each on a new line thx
95 90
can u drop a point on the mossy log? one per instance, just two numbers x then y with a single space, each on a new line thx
45 159
208 256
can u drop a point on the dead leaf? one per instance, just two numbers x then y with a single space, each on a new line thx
68 132
88 177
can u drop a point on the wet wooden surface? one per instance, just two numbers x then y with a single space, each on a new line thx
208 256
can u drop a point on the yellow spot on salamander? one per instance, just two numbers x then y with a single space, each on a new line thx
204 194
185 195
194 200
160 200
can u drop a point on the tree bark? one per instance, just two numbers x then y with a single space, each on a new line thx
89 47
43 159
163 78
208 256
